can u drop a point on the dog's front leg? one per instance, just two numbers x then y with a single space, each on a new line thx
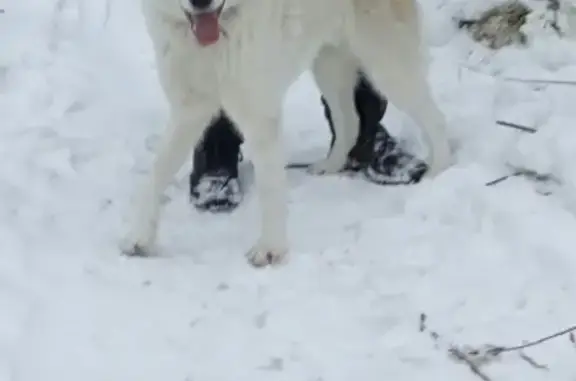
184 131
262 135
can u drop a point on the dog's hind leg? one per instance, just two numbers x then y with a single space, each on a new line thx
336 74
387 42
183 133
262 135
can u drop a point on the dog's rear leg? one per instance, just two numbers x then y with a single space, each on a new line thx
396 67
336 74
262 135
183 133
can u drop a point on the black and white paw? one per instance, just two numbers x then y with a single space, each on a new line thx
216 194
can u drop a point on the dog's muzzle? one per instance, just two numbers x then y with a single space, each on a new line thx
206 25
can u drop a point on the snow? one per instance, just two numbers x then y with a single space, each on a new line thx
81 111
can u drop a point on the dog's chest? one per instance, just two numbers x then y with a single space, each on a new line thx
271 43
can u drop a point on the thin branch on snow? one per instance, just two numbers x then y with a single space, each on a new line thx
297 165
475 358
520 127
540 81
454 352
461 356
500 179
530 81
532 362
527 173
498 350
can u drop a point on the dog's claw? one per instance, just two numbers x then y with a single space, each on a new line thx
262 257
136 251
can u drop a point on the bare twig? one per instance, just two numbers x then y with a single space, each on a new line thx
498 350
297 165
500 179
475 358
540 81
520 127
533 81
454 352
461 356
538 177
532 362
529 174
466 23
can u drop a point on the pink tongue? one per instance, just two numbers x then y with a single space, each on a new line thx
207 28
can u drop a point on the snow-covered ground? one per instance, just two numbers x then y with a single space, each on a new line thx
80 110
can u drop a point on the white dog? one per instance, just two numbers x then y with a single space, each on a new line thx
242 55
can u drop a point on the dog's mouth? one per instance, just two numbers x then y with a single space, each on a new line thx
206 25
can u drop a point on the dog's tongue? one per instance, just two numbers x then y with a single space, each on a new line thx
207 28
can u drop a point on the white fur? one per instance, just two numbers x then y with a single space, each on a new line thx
266 45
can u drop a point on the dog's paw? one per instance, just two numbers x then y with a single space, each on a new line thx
326 167
138 248
264 255
140 239
138 251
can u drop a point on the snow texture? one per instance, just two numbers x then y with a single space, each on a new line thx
81 111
